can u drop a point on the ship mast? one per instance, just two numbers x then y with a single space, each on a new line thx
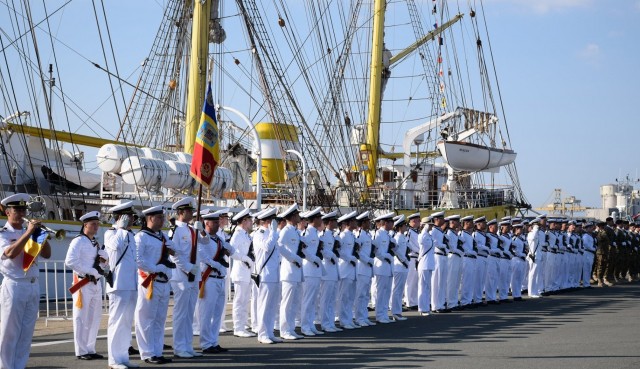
197 70
369 150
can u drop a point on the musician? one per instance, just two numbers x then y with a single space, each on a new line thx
364 270
88 263
329 280
312 271
382 269
212 296
184 282
425 266
400 268
267 267
20 290
241 268
469 262
120 245
439 276
290 272
154 271
411 286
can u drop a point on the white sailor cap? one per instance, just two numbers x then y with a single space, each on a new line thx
481 219
398 217
492 221
224 212
348 216
542 216
439 214
399 221
414 215
387 216
572 222
504 223
455 217
588 224
312 213
519 225
508 217
364 215
513 220
18 200
124 208
291 210
427 220
243 213
468 218
92 215
153 210
211 215
266 213
553 220
534 221
206 211
184 203
330 215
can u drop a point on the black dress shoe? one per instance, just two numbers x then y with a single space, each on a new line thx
133 351
164 359
214 350
96 356
85 357
154 360
167 347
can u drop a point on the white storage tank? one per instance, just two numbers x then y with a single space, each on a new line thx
111 156
621 203
178 176
158 154
183 157
144 172
608 194
222 181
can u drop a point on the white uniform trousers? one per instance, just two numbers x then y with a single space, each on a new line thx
517 273
525 278
397 290
363 291
185 295
468 280
453 280
122 306
536 278
563 268
383 294
439 282
18 313
551 271
577 270
424 290
150 318
373 293
505 278
310 290
268 297
346 296
223 313
587 264
411 287
327 303
493 276
86 321
479 279
209 311
254 306
241 297
288 306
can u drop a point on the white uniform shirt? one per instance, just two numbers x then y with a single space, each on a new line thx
467 243
382 262
401 253
12 268
365 259
288 243
208 252
81 255
451 239
346 264
329 258
312 264
588 243
412 242
182 241
494 250
149 252
116 241
438 241
426 259
505 245
517 246
265 244
481 243
240 241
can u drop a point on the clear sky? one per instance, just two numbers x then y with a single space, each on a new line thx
568 70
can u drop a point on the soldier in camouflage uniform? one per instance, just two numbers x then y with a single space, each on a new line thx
602 252
612 251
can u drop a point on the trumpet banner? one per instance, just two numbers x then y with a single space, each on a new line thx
33 247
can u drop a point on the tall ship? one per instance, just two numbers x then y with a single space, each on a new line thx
377 105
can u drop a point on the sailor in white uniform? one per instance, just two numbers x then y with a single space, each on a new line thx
267 268
535 258
20 290
517 262
347 270
120 245
241 268
493 263
89 263
224 222
483 249
411 286
186 277
589 245
400 268
504 244
456 252
290 272
329 280
364 270
426 264
153 248
382 269
469 262
312 270
439 276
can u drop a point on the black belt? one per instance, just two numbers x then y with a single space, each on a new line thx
470 256
453 253
483 256
589 251
553 251
506 257
440 253
522 257
216 276
496 256
160 281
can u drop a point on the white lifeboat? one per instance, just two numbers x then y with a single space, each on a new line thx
469 157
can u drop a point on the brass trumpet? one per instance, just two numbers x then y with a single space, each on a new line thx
58 235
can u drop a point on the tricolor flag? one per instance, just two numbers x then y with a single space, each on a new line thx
206 149
33 247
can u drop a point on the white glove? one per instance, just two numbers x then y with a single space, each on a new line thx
195 269
197 225
123 221
274 225
103 255
105 268
93 272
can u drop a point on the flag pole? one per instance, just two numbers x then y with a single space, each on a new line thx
199 202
